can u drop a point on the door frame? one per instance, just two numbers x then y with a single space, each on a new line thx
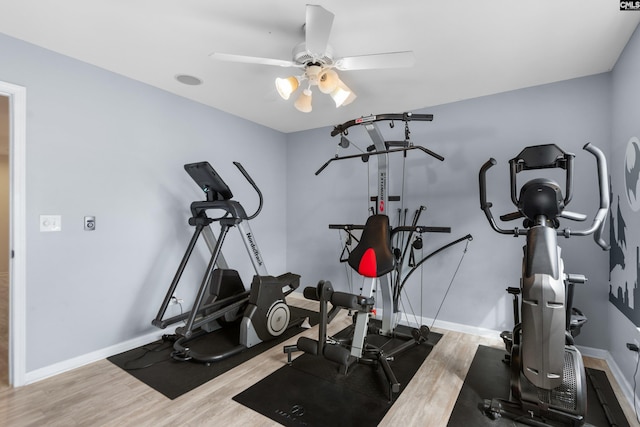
17 231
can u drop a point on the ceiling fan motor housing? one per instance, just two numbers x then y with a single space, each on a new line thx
303 57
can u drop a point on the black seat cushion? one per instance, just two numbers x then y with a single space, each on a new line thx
372 256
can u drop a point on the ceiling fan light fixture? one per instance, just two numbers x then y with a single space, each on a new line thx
352 96
316 57
328 81
303 103
313 73
286 86
342 95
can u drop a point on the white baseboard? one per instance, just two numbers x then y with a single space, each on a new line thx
412 320
94 356
457 327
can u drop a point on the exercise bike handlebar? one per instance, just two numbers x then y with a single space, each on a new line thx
597 227
255 187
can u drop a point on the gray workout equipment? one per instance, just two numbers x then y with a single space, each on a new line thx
221 298
548 385
376 259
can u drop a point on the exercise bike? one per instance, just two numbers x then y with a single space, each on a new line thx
547 377
222 299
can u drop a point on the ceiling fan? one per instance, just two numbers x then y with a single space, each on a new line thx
315 57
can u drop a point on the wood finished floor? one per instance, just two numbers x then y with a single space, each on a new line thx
100 394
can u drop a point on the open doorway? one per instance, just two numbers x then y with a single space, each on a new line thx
14 98
4 239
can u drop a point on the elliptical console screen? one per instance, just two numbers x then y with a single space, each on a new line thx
209 181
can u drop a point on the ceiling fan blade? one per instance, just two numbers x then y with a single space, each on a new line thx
317 29
252 60
380 60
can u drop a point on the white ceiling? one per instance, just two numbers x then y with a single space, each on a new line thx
463 48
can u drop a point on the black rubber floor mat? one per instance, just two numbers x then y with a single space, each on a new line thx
152 363
488 378
311 392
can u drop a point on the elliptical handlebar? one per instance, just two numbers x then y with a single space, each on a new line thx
596 228
486 206
255 187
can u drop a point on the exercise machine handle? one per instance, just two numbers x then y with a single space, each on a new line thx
405 117
486 206
402 228
255 187
365 156
597 227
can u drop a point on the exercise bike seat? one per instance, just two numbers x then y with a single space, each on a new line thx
372 256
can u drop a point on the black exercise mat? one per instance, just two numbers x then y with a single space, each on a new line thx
311 392
152 363
488 378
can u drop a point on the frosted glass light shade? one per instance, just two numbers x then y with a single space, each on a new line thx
303 103
342 95
349 99
287 86
328 81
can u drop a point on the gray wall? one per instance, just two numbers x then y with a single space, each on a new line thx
625 125
466 133
104 145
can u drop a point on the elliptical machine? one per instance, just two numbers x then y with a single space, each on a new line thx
548 384
222 299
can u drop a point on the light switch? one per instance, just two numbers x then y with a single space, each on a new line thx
50 223
89 223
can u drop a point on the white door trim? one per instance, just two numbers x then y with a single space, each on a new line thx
17 246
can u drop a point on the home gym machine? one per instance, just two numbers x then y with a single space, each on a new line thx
547 377
377 258
221 298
